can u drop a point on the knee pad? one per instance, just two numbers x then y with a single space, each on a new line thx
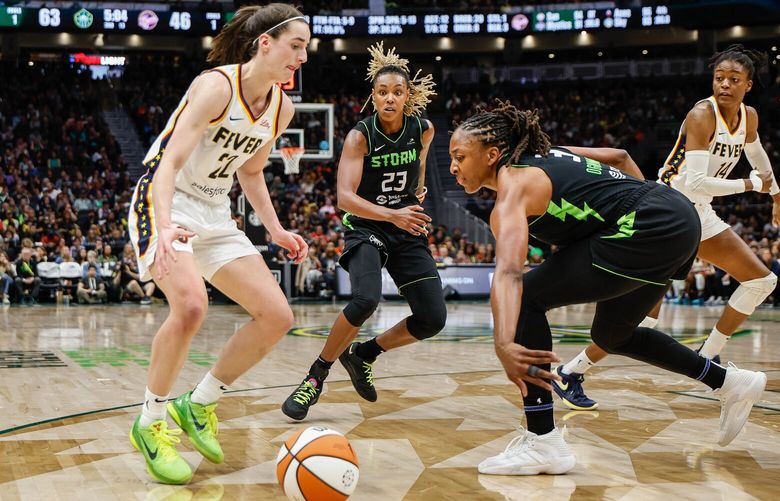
429 311
427 323
752 293
360 308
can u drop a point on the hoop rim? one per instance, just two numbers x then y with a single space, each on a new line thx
292 150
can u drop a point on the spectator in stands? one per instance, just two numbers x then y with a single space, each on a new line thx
7 272
91 288
90 261
27 281
130 280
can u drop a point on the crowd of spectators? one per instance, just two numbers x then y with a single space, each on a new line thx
65 187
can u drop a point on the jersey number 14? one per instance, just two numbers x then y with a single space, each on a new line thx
725 167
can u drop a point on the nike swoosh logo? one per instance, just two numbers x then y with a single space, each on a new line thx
234 119
160 401
223 388
152 454
198 426
562 386
379 148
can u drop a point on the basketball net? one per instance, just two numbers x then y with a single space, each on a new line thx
291 156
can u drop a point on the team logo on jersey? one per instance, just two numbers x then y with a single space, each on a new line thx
381 200
727 150
83 19
394 159
236 141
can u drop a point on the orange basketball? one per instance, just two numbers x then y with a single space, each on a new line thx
317 464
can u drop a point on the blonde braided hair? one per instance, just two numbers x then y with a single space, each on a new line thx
420 88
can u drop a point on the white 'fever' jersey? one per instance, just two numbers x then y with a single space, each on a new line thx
228 141
725 150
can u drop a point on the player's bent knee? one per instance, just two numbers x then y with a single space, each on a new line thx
752 293
283 320
611 336
426 324
360 308
190 310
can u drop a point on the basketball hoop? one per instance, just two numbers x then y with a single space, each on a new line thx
291 155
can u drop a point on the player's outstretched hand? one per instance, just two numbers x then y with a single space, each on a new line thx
165 254
296 246
411 219
522 365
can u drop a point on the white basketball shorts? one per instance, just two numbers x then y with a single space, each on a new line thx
218 240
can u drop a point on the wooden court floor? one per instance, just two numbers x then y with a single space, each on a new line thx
72 378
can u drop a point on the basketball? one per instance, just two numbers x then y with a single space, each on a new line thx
317 464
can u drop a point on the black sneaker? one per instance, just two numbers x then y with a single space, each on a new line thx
360 372
305 395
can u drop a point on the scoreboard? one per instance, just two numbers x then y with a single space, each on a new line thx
112 20
499 24
437 23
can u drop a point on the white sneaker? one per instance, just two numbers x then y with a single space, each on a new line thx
531 454
6 301
741 389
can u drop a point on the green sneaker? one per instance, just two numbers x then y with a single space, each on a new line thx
200 424
163 461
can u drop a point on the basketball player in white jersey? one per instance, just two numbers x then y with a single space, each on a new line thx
712 138
181 226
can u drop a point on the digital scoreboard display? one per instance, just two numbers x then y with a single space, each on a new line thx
595 19
114 20
199 23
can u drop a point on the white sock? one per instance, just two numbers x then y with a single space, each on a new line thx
648 322
579 364
153 408
208 390
714 344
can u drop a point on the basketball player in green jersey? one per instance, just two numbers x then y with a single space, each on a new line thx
623 240
381 180
711 141
182 229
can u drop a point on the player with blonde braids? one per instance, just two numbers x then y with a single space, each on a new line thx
381 184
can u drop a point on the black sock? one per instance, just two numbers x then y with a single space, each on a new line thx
540 421
319 370
323 364
369 350
712 374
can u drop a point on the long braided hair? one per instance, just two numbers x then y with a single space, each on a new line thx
512 131
420 88
752 60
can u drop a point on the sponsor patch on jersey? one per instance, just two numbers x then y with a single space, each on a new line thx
381 200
